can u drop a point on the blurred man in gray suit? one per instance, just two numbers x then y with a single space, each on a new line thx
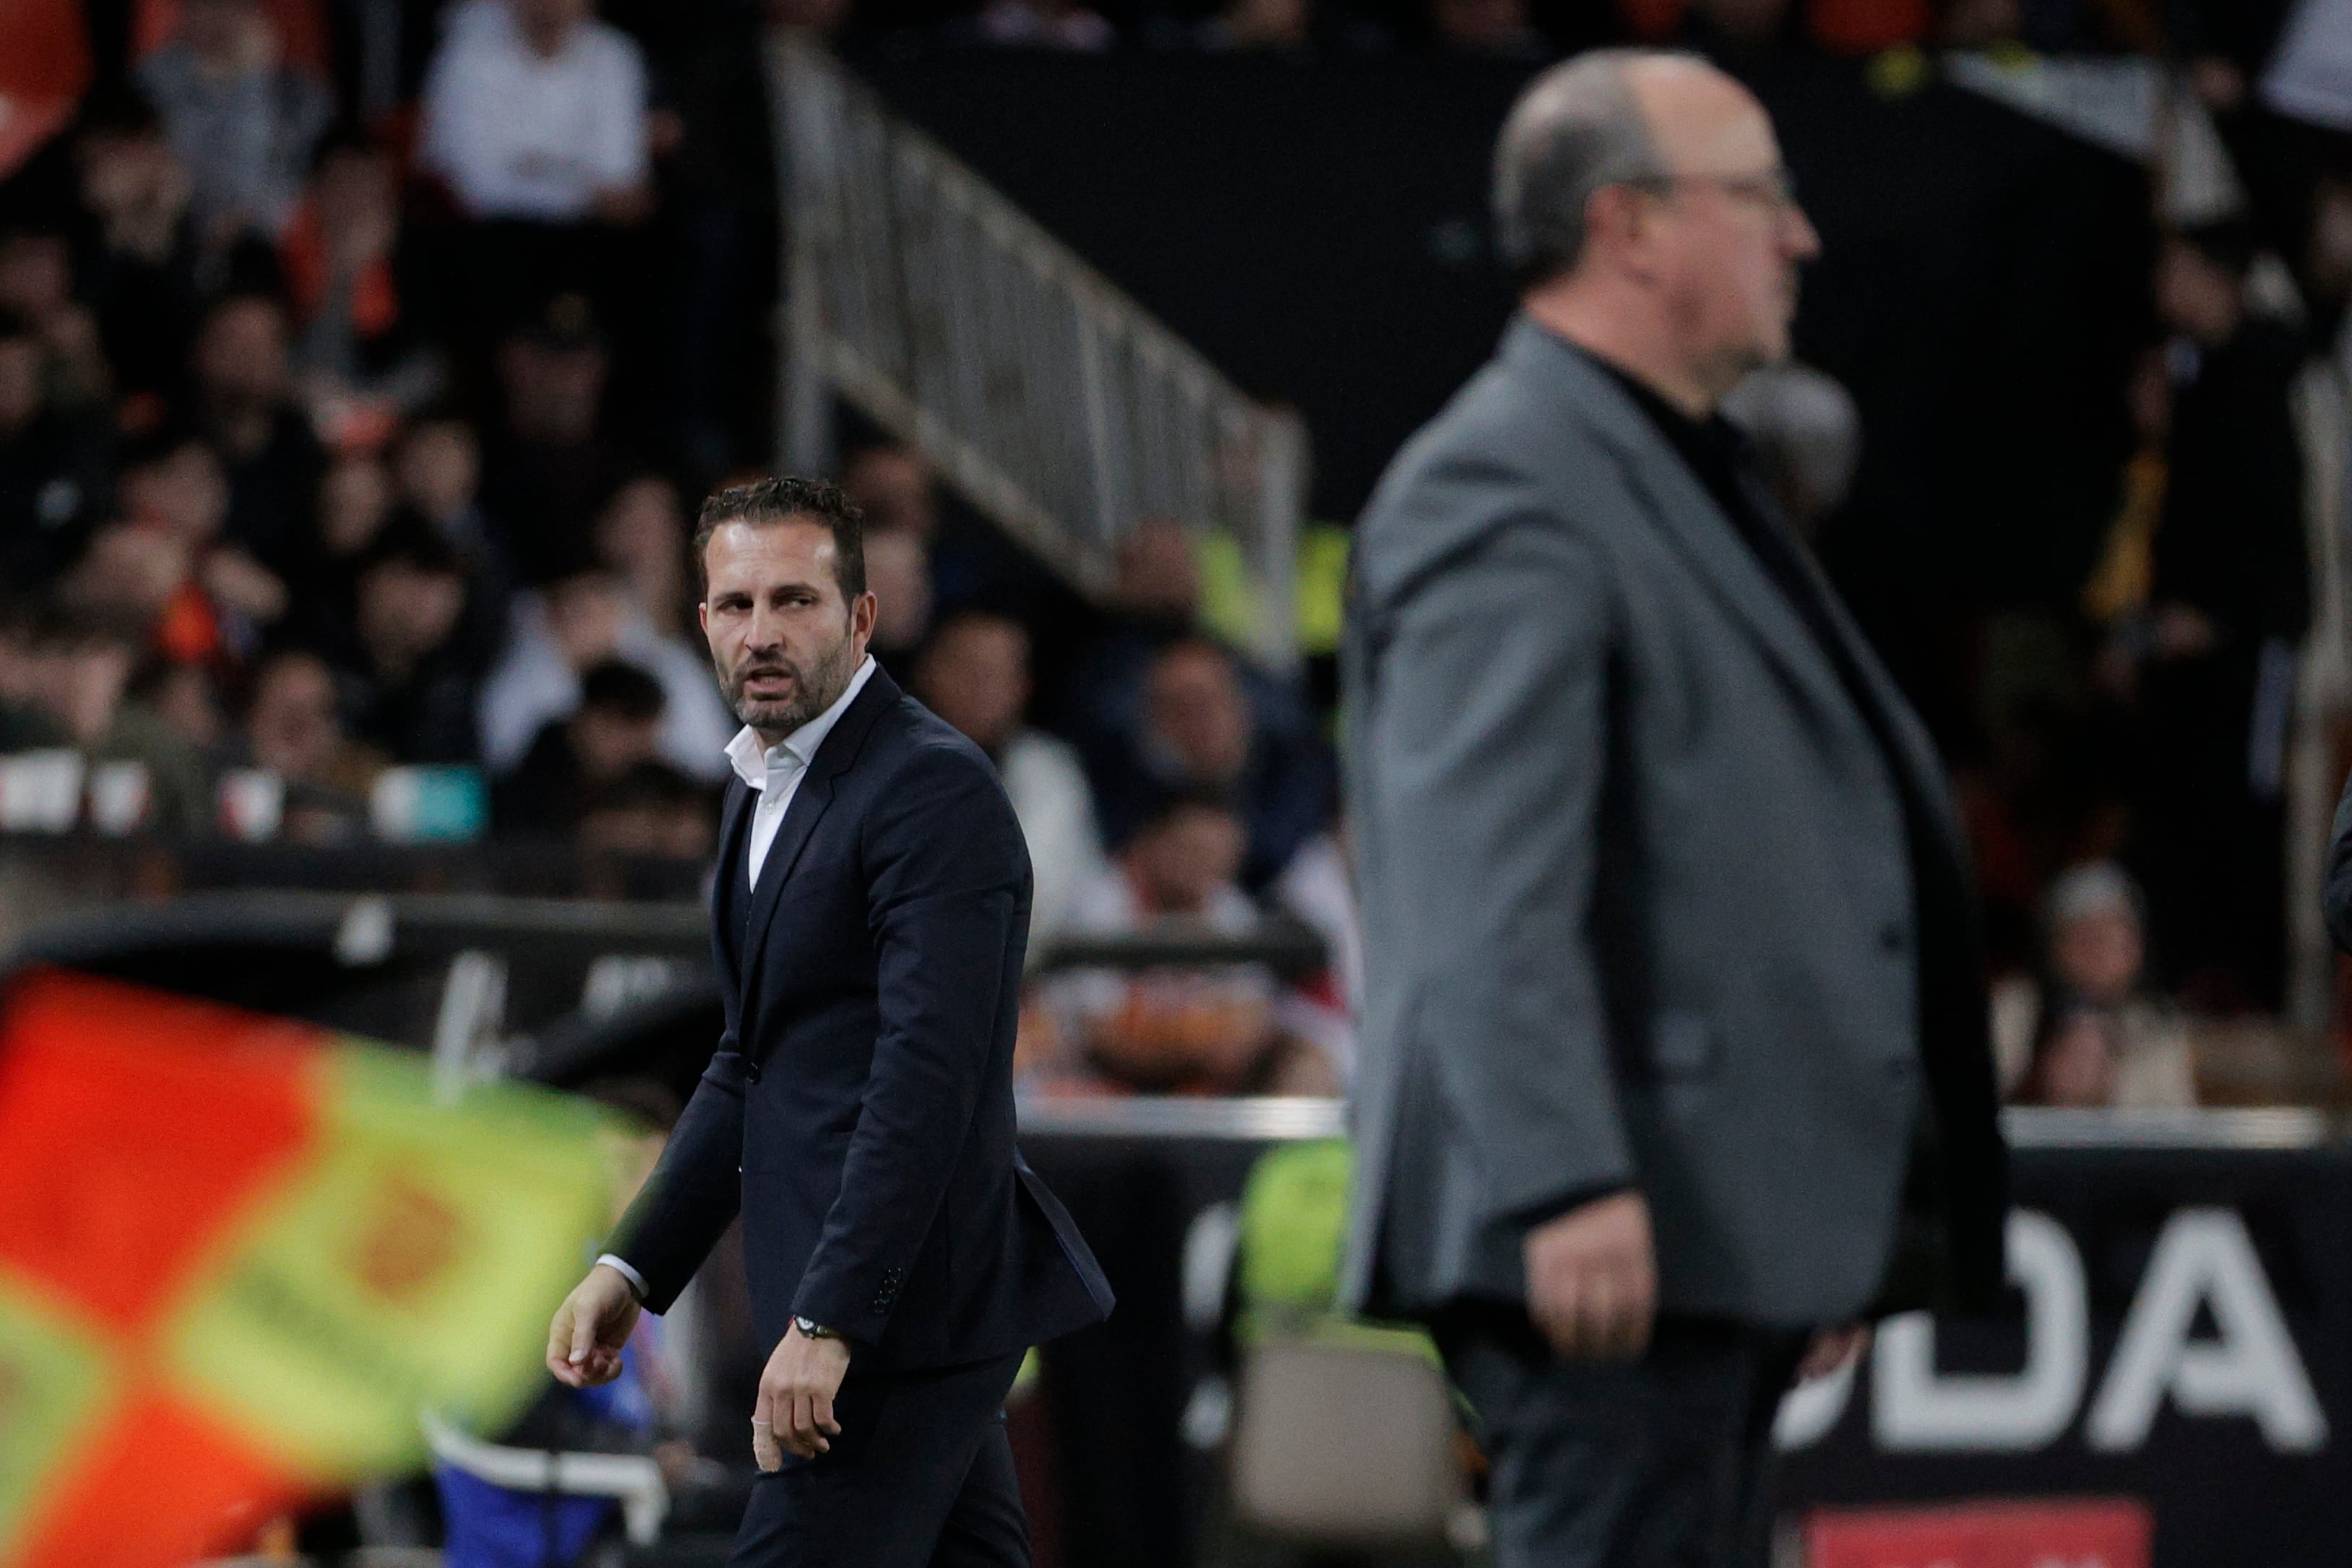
1676 1064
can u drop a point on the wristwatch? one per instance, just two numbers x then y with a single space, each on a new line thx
811 1329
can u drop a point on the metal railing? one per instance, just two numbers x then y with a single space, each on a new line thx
918 294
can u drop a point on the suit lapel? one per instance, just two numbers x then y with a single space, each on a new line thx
727 895
811 800
1688 516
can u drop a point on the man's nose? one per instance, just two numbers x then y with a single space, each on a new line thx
765 630
1798 236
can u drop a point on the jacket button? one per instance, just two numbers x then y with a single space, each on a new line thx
1892 937
750 1070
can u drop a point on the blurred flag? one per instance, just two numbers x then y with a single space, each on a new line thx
240 1256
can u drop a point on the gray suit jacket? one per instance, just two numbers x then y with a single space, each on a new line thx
1638 898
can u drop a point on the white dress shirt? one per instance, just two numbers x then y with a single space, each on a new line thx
776 775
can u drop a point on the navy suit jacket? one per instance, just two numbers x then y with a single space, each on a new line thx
859 1111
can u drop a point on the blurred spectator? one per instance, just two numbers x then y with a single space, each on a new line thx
2230 602
25 725
641 539
1213 1030
239 119
437 463
975 675
292 731
1497 27
2095 955
355 502
407 685
245 404
36 279
549 475
652 810
79 675
186 698
533 110
616 726
1198 732
1246 25
359 357
140 267
556 634
437 472
1806 435
1043 25
175 499
2117 592
893 485
1155 600
54 482
898 575
355 507
1318 888
2074 1059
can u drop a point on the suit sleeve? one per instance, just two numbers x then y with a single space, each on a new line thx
690 1199
947 894
1486 759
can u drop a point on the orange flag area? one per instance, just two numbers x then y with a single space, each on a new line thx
239 1257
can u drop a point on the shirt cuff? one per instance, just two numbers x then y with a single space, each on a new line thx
637 1280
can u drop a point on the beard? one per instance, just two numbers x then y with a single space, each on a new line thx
816 686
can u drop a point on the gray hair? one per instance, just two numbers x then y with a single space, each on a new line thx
1576 129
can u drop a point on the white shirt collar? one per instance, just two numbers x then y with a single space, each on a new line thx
798 749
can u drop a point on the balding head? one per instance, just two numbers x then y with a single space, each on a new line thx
1640 202
1609 116
1577 128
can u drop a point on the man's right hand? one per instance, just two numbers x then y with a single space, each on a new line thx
584 1343
1593 1279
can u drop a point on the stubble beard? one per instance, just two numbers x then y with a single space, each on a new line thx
815 689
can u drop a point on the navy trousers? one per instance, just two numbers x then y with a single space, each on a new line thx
922 1476
1664 1462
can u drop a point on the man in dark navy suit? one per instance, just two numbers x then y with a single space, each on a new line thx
870 911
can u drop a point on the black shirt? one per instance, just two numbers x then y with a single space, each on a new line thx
1719 456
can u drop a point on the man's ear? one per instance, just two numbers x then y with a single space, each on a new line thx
862 614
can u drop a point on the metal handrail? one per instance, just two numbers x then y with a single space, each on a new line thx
917 291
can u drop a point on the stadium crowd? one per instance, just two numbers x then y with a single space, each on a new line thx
357 388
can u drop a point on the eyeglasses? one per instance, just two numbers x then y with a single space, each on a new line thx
1775 189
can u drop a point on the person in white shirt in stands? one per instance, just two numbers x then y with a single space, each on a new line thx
974 673
533 110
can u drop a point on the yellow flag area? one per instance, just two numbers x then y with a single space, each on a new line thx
284 1267
411 1264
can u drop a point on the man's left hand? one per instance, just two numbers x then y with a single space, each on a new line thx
794 1411
1831 1349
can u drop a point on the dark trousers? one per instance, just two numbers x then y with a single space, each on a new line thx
1663 1462
922 1475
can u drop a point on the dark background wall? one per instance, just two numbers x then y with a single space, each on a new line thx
1316 226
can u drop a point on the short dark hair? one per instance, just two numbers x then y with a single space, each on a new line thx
787 498
621 689
1165 805
416 544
